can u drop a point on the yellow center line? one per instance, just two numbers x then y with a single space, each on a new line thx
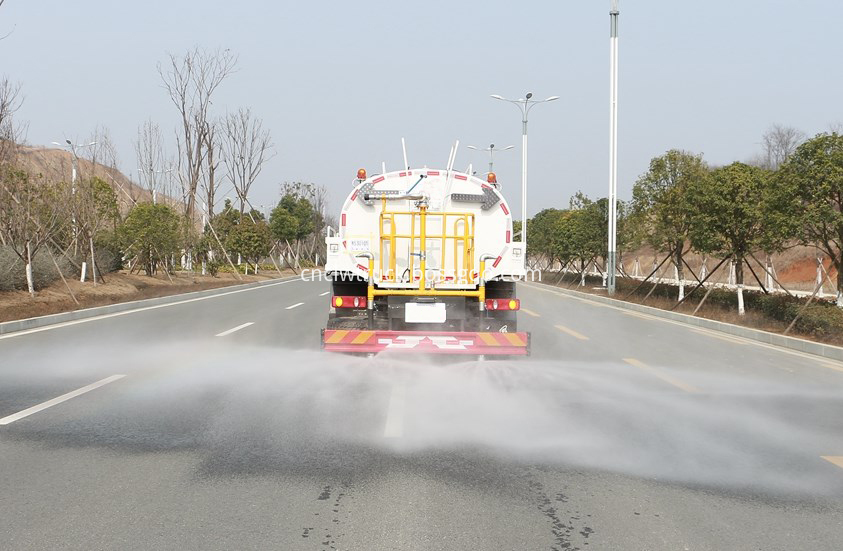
636 314
718 336
834 459
530 313
663 376
571 332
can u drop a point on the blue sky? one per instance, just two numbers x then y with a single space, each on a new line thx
339 83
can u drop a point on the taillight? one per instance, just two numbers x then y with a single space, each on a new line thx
503 304
348 302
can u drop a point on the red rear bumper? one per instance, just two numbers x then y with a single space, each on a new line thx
426 342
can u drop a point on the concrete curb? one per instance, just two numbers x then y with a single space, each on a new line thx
41 321
793 343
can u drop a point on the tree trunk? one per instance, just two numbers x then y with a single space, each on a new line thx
93 262
839 266
680 273
29 282
739 282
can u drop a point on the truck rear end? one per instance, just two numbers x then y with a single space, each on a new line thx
424 261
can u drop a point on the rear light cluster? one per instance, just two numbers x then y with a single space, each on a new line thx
503 304
348 302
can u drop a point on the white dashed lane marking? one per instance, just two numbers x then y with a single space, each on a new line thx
235 329
63 398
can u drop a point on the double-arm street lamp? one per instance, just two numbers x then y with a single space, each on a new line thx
149 175
491 149
524 105
74 159
74 163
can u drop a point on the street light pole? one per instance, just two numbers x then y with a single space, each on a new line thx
491 149
524 105
151 181
74 164
611 268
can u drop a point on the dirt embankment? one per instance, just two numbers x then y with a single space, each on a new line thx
118 287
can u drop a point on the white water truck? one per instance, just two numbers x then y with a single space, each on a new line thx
425 261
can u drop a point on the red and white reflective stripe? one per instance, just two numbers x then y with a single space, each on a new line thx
485 186
344 244
505 210
378 180
354 196
508 236
433 173
342 220
362 267
460 176
500 256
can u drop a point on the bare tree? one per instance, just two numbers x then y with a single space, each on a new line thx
8 33
779 143
191 81
246 146
149 150
10 131
30 214
210 182
102 152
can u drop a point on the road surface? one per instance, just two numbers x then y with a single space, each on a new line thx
218 424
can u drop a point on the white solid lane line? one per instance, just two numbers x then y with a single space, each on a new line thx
233 329
63 398
296 305
395 414
323 294
773 347
136 310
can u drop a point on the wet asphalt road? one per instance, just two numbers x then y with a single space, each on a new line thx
620 432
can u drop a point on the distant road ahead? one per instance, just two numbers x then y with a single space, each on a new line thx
229 429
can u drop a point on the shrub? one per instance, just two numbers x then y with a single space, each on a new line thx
13 270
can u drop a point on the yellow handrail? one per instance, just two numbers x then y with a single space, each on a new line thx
390 236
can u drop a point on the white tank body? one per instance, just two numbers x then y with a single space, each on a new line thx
476 218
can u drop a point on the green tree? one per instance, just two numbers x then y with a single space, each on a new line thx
293 221
585 235
731 215
151 233
249 239
660 203
302 210
548 238
283 225
811 183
